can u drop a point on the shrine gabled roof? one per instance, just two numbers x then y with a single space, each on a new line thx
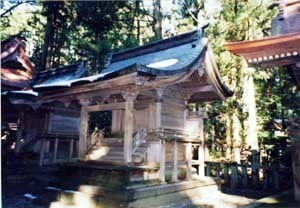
160 58
163 57
165 61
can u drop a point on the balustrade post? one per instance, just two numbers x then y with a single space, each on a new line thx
275 176
226 176
234 176
266 178
244 176
208 169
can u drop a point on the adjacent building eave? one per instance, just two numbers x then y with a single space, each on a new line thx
284 49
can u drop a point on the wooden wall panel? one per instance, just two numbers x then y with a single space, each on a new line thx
173 113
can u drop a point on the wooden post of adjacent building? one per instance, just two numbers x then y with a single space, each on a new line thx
201 149
129 125
84 128
175 162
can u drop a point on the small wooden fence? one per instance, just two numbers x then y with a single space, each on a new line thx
244 176
58 150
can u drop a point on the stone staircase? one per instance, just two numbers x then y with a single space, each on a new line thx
107 151
112 151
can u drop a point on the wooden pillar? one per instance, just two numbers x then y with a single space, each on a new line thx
162 167
201 149
129 125
84 128
55 150
175 162
189 160
158 106
71 149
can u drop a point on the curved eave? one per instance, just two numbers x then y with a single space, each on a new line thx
214 77
269 49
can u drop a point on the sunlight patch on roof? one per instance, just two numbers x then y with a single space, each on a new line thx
163 64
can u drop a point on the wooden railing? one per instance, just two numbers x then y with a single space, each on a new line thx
243 175
58 150
138 139
175 134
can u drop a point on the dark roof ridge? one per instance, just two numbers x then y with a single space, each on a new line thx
156 46
51 70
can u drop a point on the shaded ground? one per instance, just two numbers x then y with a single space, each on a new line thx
286 201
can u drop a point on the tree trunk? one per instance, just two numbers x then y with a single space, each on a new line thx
250 108
49 36
228 138
236 136
157 19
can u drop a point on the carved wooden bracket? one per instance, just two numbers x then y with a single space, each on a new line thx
85 101
130 95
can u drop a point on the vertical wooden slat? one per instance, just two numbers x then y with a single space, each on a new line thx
55 151
175 162
162 167
42 151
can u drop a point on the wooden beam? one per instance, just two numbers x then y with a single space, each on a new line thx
104 107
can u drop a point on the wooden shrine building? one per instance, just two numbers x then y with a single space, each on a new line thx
145 92
282 49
